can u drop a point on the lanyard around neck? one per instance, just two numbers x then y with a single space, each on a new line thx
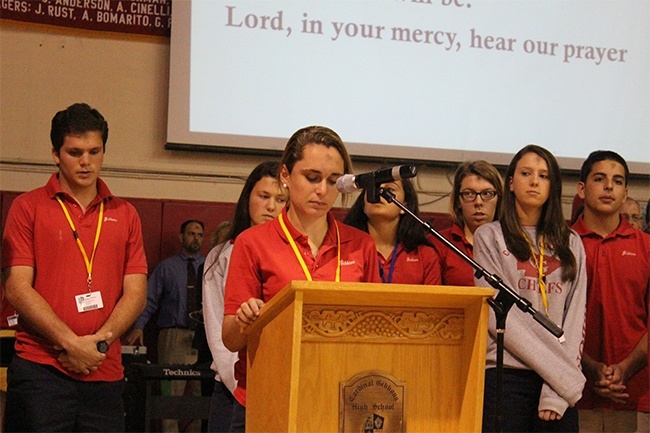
89 263
392 266
296 252
539 264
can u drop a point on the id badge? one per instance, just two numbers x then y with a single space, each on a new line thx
89 301
12 320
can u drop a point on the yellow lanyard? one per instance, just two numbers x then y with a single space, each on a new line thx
89 263
299 256
539 264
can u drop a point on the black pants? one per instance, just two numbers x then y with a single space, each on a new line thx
521 390
42 399
220 409
238 422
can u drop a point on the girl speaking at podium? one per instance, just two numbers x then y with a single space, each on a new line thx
305 242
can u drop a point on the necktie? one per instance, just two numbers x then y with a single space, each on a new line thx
192 298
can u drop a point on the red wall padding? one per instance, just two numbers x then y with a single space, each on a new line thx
161 221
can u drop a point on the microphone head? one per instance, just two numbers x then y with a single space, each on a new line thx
345 184
405 171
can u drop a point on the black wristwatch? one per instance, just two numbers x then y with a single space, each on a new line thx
102 346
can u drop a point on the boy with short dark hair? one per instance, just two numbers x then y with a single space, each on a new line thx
75 272
617 395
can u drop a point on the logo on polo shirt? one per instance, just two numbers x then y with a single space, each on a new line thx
107 218
347 262
412 259
628 253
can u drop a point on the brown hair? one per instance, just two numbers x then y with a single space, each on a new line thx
482 169
293 151
551 225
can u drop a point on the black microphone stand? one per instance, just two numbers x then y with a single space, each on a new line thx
504 300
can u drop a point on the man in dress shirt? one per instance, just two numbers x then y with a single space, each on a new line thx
172 291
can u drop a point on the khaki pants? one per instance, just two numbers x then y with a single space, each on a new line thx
175 347
601 420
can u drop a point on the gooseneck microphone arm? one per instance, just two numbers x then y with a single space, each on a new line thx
505 293
504 300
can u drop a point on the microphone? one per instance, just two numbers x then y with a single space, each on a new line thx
350 182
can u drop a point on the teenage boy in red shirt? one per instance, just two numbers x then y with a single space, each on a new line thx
75 272
617 394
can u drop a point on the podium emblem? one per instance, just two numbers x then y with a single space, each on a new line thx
372 402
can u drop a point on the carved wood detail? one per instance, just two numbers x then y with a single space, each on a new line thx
410 325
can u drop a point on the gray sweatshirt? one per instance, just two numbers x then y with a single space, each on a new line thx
214 283
528 345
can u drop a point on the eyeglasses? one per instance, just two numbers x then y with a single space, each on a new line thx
470 196
632 217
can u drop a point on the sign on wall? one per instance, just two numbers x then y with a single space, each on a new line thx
146 17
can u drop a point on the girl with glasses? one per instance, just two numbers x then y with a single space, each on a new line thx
475 200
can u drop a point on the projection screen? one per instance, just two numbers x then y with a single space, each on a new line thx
445 80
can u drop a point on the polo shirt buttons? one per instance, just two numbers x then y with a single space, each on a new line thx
79 216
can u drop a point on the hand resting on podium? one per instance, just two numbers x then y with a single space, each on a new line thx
233 334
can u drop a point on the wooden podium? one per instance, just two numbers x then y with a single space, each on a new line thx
314 337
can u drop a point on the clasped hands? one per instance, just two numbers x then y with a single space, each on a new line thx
80 354
609 382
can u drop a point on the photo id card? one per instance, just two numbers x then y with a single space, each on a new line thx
12 320
89 301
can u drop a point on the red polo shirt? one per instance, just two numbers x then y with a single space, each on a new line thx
37 234
455 270
618 277
263 263
418 266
